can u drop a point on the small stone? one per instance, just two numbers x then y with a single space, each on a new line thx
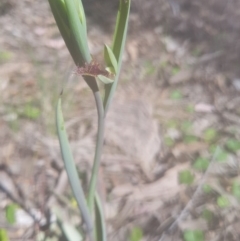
236 84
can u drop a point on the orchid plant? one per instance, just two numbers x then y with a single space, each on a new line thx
71 21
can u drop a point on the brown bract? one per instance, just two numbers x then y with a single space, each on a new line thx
92 69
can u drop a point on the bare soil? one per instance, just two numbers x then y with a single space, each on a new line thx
177 100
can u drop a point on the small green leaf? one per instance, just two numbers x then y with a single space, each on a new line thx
110 59
196 52
201 164
190 139
5 56
110 70
31 112
175 70
163 64
236 189
213 148
168 141
105 79
233 145
186 177
3 235
136 234
223 202
172 124
186 126
149 68
14 125
193 235
210 135
190 108
176 95
10 213
207 188
207 215
221 155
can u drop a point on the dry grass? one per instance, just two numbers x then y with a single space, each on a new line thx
164 86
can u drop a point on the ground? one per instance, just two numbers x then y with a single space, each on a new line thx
172 174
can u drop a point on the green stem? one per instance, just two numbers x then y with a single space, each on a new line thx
98 150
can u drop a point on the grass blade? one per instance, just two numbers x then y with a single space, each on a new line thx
71 168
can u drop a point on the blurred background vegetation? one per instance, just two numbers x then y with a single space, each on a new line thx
177 102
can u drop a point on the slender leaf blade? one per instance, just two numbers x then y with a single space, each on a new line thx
78 29
71 168
71 232
101 233
104 79
120 33
110 59
118 47
60 14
